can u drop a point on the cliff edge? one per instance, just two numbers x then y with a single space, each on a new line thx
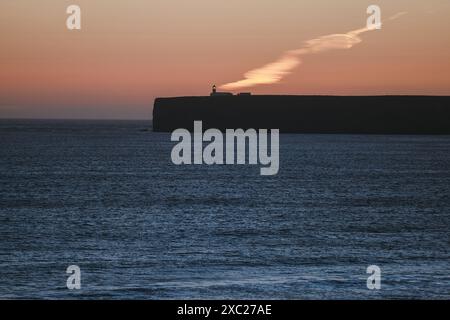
307 114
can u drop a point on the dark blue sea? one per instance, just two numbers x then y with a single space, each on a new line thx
104 195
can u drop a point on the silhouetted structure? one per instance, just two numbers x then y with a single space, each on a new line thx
214 92
308 114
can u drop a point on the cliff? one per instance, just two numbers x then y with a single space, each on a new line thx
308 114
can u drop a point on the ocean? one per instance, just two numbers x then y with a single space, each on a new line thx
105 196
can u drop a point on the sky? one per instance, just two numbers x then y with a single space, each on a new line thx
129 52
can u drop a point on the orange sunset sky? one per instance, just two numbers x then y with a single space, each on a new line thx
129 52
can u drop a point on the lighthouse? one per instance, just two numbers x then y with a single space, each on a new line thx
214 92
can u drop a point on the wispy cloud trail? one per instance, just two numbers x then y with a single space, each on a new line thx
275 71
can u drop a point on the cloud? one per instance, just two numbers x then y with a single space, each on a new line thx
398 15
275 71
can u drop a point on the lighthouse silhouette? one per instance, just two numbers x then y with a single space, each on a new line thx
214 92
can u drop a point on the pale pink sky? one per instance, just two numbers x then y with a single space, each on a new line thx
129 52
